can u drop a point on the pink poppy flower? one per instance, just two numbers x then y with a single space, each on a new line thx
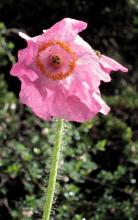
60 73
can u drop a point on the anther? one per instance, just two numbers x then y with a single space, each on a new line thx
55 60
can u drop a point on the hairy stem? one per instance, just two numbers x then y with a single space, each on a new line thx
54 170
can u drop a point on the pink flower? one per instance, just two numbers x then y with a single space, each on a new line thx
60 73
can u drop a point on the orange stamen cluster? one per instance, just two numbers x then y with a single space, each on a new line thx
56 61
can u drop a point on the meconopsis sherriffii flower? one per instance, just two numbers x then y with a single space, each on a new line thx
60 73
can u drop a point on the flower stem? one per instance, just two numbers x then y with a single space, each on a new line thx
54 170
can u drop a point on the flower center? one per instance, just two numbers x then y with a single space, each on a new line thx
55 60
55 68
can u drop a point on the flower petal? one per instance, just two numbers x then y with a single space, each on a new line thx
28 54
24 36
104 107
80 112
88 61
110 64
81 47
71 108
35 97
21 71
66 29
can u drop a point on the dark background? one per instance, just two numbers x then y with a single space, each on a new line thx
101 157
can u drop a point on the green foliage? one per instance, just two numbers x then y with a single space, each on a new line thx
6 47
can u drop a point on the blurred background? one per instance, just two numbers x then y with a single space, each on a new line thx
100 169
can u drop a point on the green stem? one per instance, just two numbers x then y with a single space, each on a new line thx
54 170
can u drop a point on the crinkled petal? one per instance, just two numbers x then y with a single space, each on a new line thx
44 81
66 29
71 108
81 47
84 74
104 107
34 97
95 67
80 111
28 54
21 71
88 61
110 64
102 73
